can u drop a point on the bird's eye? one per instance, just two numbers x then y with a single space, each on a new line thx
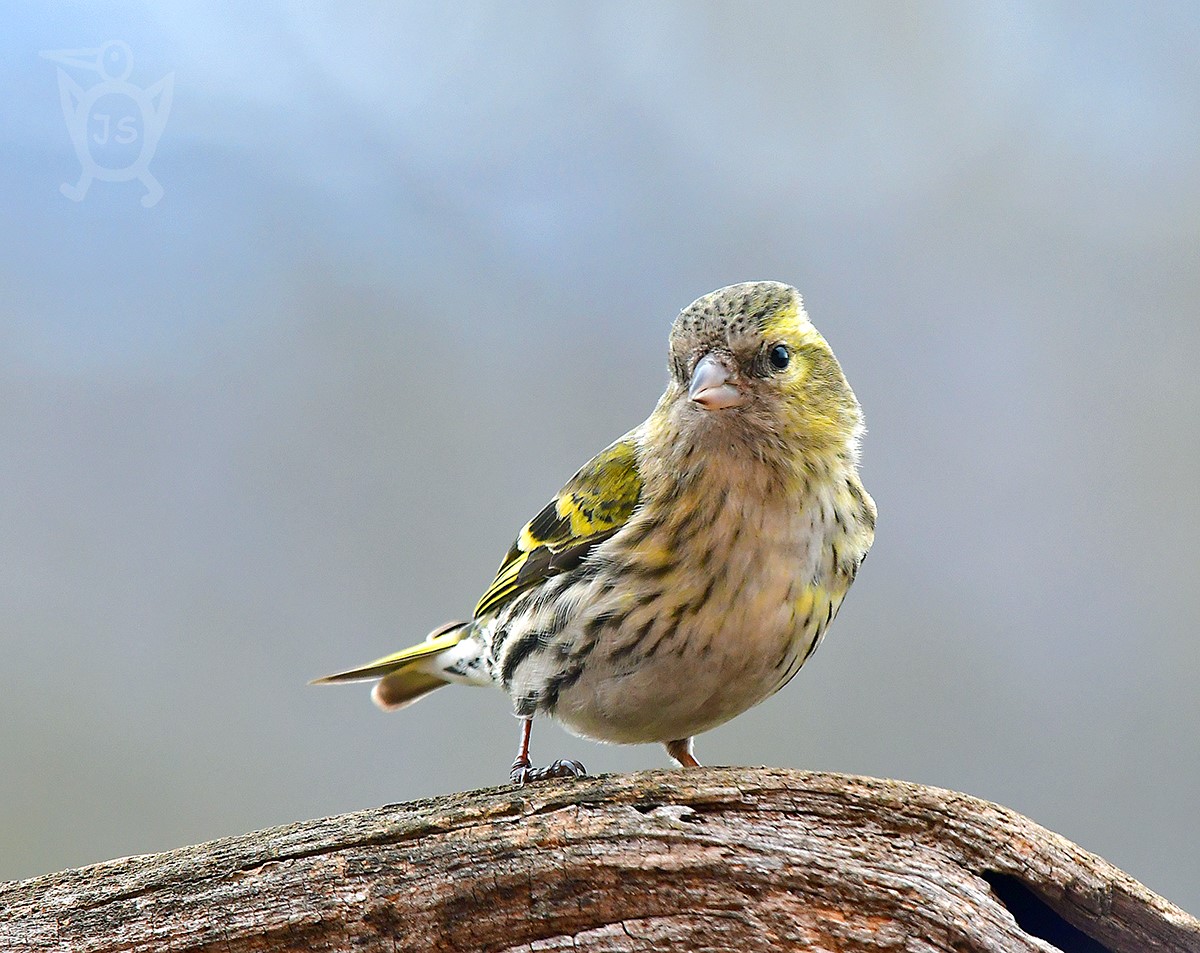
779 356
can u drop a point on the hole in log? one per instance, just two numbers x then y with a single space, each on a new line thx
1037 918
646 808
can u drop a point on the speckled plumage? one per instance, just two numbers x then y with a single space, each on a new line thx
688 571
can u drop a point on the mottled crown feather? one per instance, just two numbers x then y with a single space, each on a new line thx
749 307
738 318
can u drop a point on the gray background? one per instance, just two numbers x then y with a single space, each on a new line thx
411 270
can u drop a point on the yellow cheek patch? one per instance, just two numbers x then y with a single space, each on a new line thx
785 321
800 366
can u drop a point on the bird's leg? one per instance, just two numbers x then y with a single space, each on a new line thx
681 751
522 772
521 766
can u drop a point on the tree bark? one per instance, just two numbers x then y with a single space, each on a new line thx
699 860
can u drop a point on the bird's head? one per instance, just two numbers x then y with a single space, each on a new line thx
749 369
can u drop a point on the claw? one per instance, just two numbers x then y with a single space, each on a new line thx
523 773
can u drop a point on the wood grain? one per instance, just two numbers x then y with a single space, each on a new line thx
702 860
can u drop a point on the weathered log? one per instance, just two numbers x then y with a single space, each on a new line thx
702 860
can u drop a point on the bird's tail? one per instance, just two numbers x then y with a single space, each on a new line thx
403 679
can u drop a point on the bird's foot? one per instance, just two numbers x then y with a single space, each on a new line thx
523 773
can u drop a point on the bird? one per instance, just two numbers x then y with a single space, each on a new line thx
688 570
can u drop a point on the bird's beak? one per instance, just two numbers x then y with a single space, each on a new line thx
711 387
84 59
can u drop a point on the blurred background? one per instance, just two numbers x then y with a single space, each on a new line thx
410 269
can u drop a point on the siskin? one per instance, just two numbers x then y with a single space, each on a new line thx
688 570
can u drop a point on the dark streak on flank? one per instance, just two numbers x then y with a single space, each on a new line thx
695 607
786 657
681 531
669 630
648 598
677 616
813 646
865 513
499 637
794 665
526 644
629 647
592 630
652 572
548 699
649 648
597 623
636 532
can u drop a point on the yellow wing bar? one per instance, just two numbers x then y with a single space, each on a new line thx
594 504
